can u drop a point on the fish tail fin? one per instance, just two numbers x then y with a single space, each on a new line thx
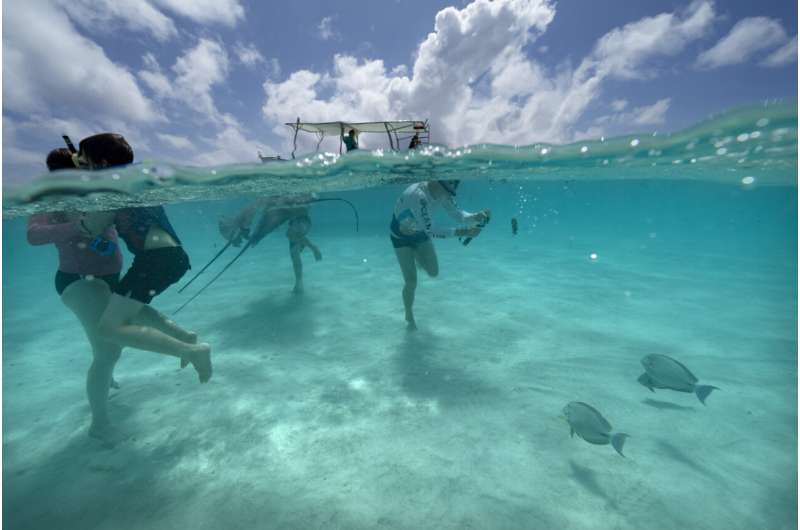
703 391
618 441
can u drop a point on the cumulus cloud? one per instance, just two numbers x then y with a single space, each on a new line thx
80 76
197 71
225 12
473 78
175 141
748 37
786 54
619 104
654 114
325 28
248 54
107 15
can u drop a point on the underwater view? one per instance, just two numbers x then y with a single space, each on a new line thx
609 340
401 265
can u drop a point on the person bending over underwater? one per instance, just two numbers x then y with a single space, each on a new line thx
274 212
159 261
88 270
412 228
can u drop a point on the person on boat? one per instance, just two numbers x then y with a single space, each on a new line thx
351 140
159 261
88 270
414 142
273 212
412 228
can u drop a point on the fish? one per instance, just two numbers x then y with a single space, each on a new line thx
665 372
585 421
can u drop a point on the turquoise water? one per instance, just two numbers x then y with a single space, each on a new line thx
324 412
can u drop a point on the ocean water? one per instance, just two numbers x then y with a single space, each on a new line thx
325 412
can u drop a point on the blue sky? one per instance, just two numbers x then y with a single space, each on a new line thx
212 81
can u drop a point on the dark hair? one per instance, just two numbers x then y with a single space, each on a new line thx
108 148
60 159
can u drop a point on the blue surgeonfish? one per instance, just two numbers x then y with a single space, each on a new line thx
585 421
665 372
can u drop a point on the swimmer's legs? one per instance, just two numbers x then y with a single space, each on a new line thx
405 257
297 265
150 316
88 299
425 255
117 326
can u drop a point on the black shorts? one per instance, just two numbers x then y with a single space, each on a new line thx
152 271
65 279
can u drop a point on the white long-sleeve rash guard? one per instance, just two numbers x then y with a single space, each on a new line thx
413 212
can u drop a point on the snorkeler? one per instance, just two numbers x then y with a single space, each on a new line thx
159 261
412 229
88 270
274 211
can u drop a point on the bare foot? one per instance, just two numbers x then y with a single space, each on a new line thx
298 289
114 383
411 324
107 435
191 338
201 360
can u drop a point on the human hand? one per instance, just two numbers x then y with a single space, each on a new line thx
317 254
468 232
483 216
95 223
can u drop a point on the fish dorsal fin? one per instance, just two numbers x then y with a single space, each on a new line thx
600 417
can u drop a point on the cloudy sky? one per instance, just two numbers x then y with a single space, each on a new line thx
213 81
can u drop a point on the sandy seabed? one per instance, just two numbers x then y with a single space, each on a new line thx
324 412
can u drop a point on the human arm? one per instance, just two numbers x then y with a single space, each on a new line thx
41 231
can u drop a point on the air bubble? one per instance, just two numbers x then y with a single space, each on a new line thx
743 137
584 149
721 151
755 134
634 142
748 180
151 292
115 176
545 150
593 256
763 122
605 162
89 277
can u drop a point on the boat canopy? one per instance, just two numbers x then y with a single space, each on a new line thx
396 130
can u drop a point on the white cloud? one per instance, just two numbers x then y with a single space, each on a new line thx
229 146
654 114
49 61
196 73
154 78
619 104
225 12
135 15
248 55
746 38
786 54
175 141
325 27
473 79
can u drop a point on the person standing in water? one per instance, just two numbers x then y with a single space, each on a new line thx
351 140
88 270
412 228
159 261
274 211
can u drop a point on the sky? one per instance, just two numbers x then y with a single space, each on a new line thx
210 82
